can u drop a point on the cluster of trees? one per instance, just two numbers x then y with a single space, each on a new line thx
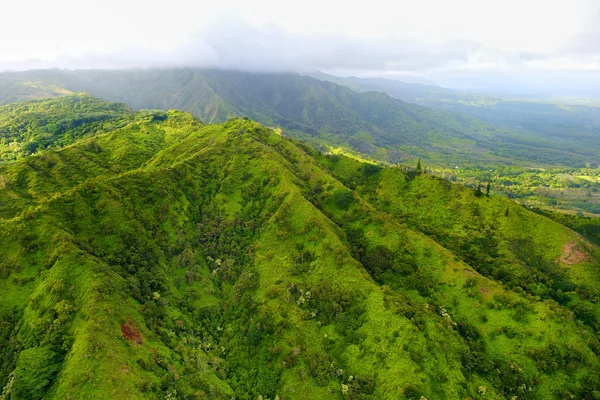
27 128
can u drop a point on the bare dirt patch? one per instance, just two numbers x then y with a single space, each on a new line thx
130 332
484 291
572 254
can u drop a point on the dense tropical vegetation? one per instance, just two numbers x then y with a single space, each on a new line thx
154 256
26 128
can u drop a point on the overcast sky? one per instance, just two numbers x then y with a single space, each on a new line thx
460 43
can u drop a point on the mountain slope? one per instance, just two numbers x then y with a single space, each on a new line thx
28 127
21 90
574 126
174 259
320 112
411 92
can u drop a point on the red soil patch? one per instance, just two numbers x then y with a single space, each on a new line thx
130 332
572 254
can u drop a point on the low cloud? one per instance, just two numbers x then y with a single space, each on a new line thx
586 43
230 43
583 45
235 44
239 45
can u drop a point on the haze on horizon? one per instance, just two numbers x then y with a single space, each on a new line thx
519 46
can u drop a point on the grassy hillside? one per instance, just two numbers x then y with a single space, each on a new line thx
322 113
171 259
14 90
29 127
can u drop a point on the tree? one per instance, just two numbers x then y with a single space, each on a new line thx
343 198
419 166
35 371
478 192
377 260
487 188
31 147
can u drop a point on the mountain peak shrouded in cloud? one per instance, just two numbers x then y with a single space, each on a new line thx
446 42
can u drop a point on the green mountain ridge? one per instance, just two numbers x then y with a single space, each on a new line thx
159 257
322 113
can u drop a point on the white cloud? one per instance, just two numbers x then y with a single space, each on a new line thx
429 36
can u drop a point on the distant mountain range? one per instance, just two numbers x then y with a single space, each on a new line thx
370 116
576 121
404 79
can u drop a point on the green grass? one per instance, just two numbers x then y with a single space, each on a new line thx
251 265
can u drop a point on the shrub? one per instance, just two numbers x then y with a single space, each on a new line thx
343 198
36 368
585 312
377 260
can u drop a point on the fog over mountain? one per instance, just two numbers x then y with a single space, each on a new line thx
504 46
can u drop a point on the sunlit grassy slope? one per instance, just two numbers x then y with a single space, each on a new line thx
171 259
28 127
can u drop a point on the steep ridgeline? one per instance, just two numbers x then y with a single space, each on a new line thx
322 113
171 259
